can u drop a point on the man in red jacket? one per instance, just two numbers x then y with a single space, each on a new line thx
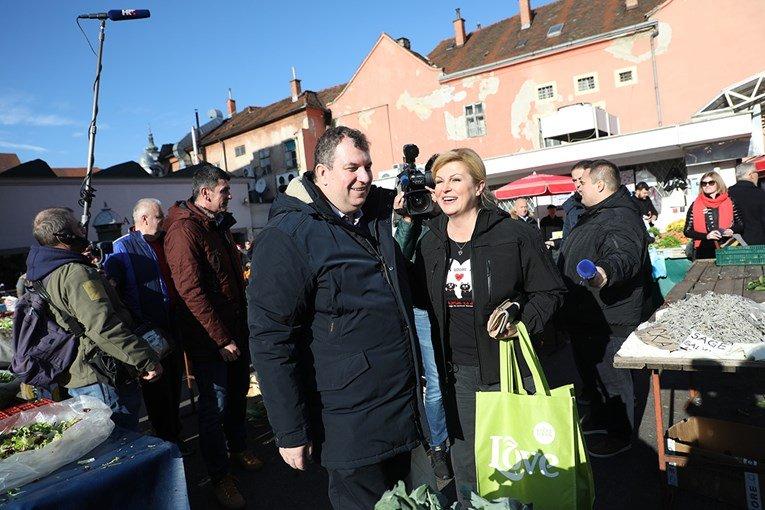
206 270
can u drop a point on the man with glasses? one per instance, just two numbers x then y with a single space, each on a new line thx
750 202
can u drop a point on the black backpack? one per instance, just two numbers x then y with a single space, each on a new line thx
44 350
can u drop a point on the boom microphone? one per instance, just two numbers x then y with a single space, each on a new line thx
118 14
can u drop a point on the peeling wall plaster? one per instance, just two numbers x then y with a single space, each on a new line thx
525 111
489 86
365 119
460 96
623 47
456 127
469 82
423 106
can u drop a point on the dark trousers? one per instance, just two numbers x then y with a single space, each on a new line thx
163 398
585 354
222 410
614 403
360 488
467 381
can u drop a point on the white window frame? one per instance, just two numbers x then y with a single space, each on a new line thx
594 76
633 81
263 155
550 99
475 117
290 156
556 33
239 151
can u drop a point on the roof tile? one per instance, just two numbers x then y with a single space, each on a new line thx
255 116
497 42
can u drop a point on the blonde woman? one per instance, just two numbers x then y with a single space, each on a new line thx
712 218
473 259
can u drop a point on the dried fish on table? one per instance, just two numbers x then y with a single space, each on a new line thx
722 317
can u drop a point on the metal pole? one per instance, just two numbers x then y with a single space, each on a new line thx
659 116
87 189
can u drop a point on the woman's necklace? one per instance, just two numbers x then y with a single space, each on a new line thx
461 247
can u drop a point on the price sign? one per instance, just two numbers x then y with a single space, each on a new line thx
702 343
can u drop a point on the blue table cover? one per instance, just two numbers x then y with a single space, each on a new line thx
130 470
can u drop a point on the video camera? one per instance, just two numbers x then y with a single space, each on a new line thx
414 184
99 250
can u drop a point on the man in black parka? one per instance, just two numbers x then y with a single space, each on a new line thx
601 312
331 330
750 202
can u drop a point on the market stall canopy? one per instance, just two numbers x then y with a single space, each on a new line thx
536 185
759 164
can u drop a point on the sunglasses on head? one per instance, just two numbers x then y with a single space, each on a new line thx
707 183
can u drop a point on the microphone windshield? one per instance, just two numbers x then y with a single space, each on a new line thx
125 14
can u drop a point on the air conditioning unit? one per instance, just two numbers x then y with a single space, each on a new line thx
284 178
578 122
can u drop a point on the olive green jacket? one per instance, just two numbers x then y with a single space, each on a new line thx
86 295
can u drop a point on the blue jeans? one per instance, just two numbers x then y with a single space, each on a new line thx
124 401
434 406
222 410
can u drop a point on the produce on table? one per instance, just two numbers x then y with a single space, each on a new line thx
6 324
723 317
758 284
672 237
6 376
32 437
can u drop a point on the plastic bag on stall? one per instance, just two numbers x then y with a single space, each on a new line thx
94 427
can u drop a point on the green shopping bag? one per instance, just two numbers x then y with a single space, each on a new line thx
530 447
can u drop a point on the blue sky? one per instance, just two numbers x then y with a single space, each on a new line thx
186 56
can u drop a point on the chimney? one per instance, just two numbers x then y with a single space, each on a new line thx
230 104
525 12
631 4
294 86
459 30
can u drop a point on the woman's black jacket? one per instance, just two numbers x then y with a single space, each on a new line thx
508 261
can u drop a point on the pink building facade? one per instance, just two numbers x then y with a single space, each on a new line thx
584 79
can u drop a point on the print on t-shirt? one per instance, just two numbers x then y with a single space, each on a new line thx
458 288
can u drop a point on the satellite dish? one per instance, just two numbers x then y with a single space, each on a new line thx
215 114
260 185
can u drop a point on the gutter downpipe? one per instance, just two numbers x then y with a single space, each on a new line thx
654 35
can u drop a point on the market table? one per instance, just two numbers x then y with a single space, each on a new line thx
703 276
128 470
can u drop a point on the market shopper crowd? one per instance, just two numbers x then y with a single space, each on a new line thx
341 319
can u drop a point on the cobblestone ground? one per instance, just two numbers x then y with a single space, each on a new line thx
630 480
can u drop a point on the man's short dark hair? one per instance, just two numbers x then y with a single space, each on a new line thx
552 207
51 225
606 171
207 177
641 185
584 165
324 154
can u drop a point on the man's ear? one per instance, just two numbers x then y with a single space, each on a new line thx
321 173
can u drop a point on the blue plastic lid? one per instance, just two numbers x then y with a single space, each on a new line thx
586 269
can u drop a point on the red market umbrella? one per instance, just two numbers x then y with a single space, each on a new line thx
536 185
759 164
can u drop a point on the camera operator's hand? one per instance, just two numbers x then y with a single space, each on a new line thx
398 206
